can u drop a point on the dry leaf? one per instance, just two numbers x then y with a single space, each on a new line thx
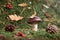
11 17
15 17
33 14
23 4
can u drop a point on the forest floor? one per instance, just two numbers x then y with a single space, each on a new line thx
41 34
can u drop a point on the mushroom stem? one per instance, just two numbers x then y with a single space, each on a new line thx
35 27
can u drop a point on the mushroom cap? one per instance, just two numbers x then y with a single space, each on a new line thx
34 20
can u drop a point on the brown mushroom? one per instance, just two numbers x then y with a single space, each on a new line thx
34 22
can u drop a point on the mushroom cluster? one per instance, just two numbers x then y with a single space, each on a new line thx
34 22
52 29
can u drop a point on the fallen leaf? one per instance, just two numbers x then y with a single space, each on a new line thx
23 4
11 17
15 17
33 14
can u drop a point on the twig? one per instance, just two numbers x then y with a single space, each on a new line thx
23 10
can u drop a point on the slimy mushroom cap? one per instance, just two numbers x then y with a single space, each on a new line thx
34 20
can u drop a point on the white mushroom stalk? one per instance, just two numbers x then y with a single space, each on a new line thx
35 27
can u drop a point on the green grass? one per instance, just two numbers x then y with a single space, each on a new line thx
41 34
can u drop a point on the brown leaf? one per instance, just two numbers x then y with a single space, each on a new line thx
23 4
33 15
15 17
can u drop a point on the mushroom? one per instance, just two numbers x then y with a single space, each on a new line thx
34 22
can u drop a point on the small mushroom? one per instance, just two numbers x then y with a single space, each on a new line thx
34 22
